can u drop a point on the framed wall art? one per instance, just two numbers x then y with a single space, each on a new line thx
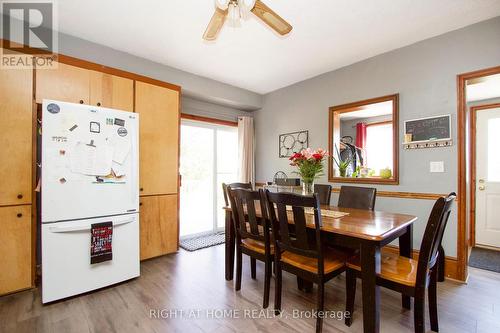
290 143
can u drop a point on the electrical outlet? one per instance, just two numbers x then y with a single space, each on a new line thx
437 166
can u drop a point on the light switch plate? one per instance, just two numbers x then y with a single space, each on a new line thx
437 166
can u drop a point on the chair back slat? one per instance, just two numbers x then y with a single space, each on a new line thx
245 214
433 236
297 237
357 197
299 221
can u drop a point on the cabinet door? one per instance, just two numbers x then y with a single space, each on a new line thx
16 123
159 225
66 83
15 239
111 91
159 138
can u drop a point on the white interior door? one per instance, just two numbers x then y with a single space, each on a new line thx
488 177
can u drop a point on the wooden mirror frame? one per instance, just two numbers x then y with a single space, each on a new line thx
334 129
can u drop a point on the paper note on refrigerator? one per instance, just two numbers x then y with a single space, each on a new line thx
121 148
92 160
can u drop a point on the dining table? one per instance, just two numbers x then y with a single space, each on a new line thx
365 230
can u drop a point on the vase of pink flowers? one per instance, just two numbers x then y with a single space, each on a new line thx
310 166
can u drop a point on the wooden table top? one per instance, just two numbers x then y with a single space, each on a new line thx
365 224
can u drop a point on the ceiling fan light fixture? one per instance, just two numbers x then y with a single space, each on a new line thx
246 7
233 11
233 15
222 4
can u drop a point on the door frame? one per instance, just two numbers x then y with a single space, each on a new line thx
472 168
463 116
214 124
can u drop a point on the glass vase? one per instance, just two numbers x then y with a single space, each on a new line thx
307 187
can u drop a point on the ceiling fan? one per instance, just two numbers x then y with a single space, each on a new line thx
233 10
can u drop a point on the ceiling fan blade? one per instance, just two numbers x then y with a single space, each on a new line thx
272 19
215 24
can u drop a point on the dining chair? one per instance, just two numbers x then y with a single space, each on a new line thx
301 253
253 262
252 234
409 276
324 192
357 197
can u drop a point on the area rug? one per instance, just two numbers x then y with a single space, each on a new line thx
485 259
202 242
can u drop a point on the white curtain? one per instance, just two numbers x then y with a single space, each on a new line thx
246 170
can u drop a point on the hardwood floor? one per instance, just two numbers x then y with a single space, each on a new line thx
195 280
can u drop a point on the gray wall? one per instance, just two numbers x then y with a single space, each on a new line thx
424 74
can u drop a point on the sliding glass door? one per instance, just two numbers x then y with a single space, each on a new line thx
209 157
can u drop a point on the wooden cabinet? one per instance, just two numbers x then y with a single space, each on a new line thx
15 239
111 91
16 125
159 225
66 83
159 138
78 85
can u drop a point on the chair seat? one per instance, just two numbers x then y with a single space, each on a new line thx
394 268
333 260
255 245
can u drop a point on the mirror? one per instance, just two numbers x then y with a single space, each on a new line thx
363 141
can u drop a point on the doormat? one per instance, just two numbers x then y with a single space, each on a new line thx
485 259
202 242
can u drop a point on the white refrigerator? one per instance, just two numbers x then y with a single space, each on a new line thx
90 198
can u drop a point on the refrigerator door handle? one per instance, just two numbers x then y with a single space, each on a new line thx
87 227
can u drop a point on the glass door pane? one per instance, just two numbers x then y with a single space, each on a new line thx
227 165
197 170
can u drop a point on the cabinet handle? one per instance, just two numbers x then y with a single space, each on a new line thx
19 215
19 196
141 189
81 101
140 203
98 103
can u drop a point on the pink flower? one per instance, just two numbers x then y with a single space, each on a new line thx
307 153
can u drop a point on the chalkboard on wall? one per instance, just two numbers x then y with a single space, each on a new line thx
429 129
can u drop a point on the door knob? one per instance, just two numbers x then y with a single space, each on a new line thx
481 181
481 188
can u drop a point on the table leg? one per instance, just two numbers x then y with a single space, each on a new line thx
370 266
229 246
406 250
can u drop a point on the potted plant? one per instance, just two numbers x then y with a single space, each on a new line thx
310 166
341 164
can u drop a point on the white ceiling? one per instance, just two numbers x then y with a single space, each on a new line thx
327 34
483 88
